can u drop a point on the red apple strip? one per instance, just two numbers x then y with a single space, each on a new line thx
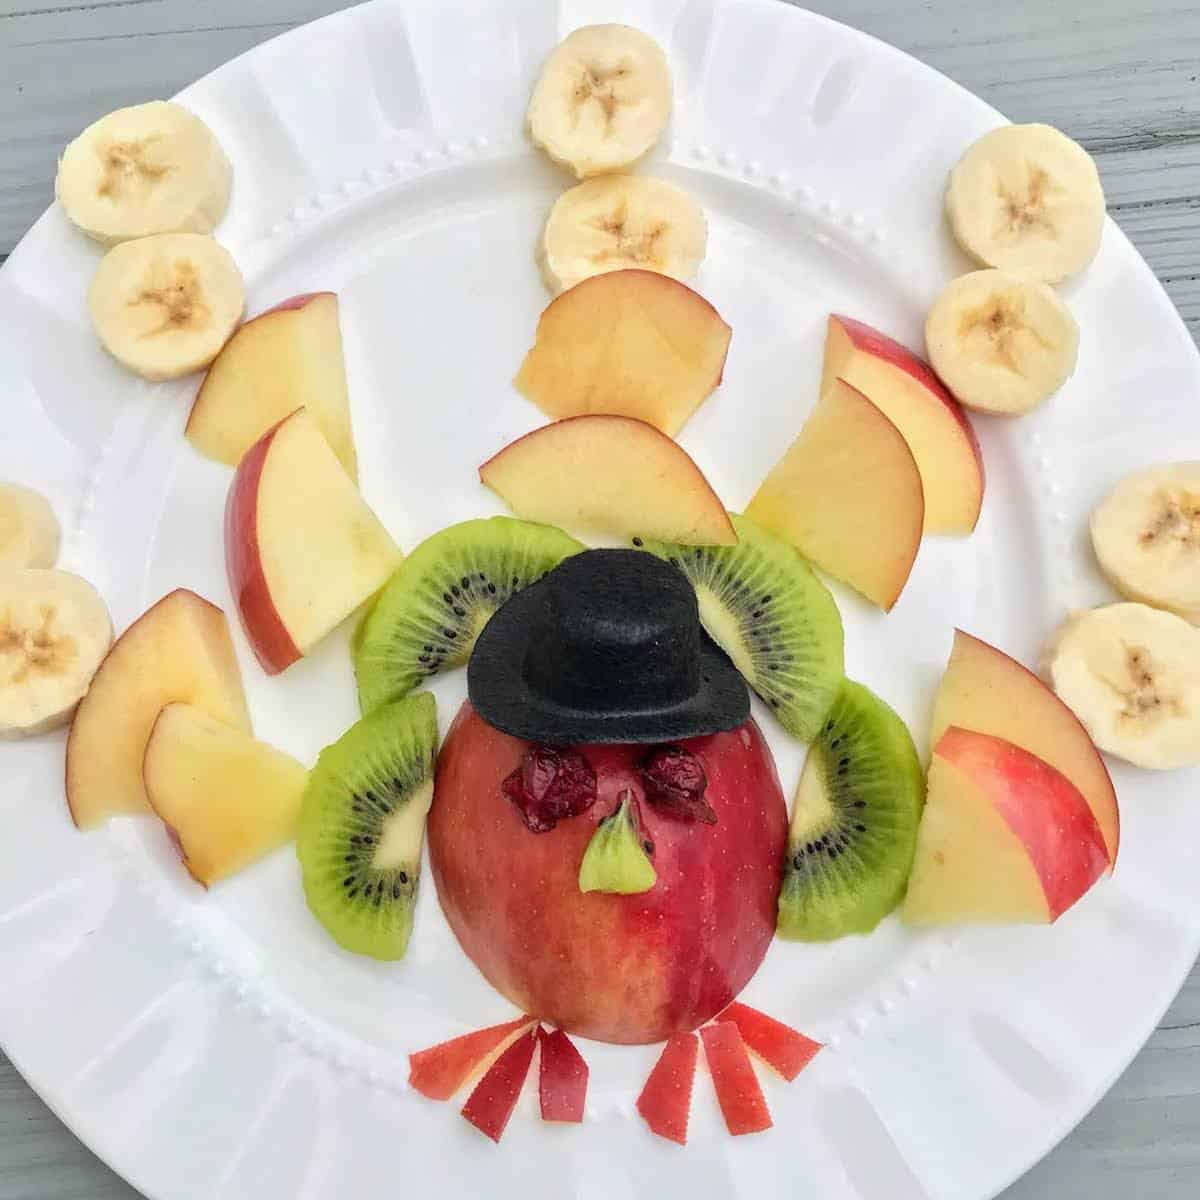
666 1100
563 1079
442 1069
491 1104
741 1099
780 1046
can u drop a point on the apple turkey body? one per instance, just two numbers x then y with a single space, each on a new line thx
618 968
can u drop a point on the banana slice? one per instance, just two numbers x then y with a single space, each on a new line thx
54 632
29 531
1146 536
153 168
1131 674
620 221
1028 199
164 306
1000 343
602 99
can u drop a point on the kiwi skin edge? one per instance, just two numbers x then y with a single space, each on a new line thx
853 833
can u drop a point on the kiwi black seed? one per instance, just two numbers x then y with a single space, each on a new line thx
765 607
363 823
431 611
854 823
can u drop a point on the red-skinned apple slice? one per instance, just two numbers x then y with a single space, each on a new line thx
937 430
562 1078
780 1046
491 1104
986 690
1004 837
609 475
302 548
634 343
742 1103
442 1069
286 358
665 1102
178 650
848 495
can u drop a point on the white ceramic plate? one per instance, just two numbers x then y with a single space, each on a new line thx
220 1046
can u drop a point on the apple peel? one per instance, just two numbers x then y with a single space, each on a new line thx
491 1104
442 1069
784 1049
666 1101
738 1093
562 1078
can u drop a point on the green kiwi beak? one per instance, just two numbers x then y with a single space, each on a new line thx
616 860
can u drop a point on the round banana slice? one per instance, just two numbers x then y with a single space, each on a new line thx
54 633
29 530
602 99
1000 343
1028 199
1131 674
1146 536
164 306
620 221
153 168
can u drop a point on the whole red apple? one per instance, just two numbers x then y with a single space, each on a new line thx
618 968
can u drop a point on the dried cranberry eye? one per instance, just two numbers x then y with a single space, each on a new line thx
674 782
550 785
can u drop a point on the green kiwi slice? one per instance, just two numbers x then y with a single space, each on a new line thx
362 825
765 607
432 610
854 823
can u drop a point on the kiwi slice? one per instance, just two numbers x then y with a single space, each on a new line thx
854 823
362 825
432 610
617 858
765 607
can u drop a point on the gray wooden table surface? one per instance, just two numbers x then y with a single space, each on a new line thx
1121 76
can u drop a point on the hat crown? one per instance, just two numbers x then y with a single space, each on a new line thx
615 623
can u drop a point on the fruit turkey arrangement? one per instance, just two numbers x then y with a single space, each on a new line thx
640 852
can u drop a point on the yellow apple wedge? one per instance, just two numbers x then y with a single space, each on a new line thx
632 343
286 358
848 495
303 549
225 799
608 475
1004 837
179 650
986 690
933 423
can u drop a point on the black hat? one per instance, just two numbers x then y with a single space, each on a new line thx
608 647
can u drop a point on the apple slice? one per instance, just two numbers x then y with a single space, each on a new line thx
905 389
634 343
848 495
666 1101
302 548
225 799
608 475
442 1069
491 1104
1004 837
563 1078
780 1046
986 690
738 1093
286 358
177 651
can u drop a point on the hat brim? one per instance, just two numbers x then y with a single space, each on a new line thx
498 691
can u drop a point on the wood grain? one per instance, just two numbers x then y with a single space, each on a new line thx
1119 75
